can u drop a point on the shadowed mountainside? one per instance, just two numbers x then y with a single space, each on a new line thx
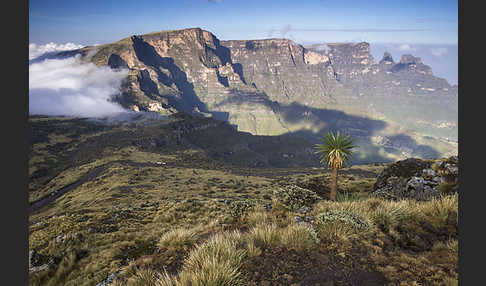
277 87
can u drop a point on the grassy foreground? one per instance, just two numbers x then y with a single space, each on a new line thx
175 217
368 241
268 248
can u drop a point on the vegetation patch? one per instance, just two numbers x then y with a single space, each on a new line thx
294 197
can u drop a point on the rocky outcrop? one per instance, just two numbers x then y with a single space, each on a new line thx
418 179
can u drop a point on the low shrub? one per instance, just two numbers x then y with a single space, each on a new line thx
342 217
241 208
294 197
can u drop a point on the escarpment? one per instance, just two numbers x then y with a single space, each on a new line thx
276 87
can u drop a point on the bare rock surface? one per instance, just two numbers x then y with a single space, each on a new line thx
418 179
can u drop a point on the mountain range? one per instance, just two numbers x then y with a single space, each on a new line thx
273 87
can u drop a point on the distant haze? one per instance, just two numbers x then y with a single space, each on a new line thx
443 59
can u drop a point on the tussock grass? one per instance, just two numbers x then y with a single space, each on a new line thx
143 277
257 216
391 213
252 249
179 238
219 259
439 209
265 235
451 281
299 237
215 262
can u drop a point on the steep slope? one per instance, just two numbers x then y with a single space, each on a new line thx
275 87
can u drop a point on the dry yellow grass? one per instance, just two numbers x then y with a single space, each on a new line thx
215 262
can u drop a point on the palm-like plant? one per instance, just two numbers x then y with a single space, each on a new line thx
335 150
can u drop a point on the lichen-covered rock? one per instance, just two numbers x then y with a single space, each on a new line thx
418 179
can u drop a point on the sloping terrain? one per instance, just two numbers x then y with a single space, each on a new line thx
147 201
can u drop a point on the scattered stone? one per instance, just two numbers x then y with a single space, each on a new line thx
304 210
60 238
109 280
428 173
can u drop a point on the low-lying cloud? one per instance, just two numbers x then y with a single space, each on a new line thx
36 50
71 87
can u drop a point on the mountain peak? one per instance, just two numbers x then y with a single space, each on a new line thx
387 58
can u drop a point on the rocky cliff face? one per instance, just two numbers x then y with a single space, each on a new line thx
275 86
286 71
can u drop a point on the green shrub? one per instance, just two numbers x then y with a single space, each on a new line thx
343 217
294 197
241 208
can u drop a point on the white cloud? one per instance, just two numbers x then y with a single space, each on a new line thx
405 47
322 47
38 50
438 51
72 87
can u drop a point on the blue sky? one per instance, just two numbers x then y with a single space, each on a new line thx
89 22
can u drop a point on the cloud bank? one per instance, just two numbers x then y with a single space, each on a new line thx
73 88
39 50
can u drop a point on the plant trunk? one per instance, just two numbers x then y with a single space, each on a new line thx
334 180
